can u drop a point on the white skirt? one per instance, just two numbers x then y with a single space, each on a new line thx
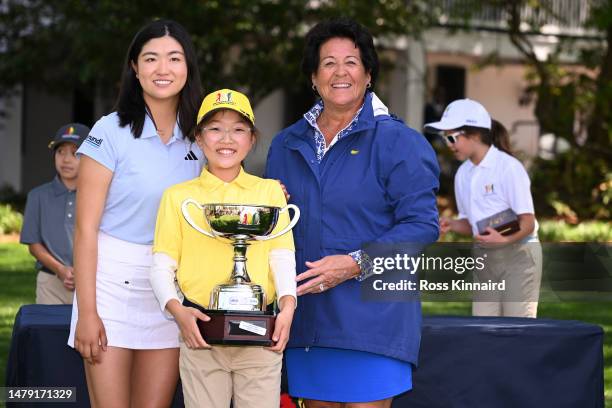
125 300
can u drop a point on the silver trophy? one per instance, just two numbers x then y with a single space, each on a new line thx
238 224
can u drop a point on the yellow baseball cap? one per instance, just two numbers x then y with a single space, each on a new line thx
226 99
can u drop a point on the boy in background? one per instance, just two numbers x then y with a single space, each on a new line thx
48 224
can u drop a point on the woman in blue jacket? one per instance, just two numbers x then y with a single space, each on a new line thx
359 175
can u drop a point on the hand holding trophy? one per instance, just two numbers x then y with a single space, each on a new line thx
237 309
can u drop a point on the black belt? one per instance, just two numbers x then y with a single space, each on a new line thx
188 303
45 270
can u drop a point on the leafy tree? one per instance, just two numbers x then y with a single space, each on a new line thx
254 45
576 106
572 103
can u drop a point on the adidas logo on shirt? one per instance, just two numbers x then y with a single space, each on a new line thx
191 156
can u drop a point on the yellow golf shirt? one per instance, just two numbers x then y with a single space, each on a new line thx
205 262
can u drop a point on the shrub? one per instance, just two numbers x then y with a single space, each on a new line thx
10 220
588 231
560 231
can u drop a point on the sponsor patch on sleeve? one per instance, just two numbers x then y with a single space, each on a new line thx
95 142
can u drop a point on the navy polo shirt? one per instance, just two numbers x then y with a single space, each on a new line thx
49 220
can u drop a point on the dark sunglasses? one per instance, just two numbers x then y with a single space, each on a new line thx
452 137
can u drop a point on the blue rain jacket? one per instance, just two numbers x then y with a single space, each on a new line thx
376 184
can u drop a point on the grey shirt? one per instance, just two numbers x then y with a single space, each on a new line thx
49 220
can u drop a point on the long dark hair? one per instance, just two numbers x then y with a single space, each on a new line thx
130 105
498 136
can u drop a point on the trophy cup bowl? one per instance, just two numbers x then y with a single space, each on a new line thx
238 308
229 220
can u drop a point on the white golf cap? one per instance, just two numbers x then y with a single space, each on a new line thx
462 112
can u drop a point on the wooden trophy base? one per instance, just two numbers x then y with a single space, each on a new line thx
238 328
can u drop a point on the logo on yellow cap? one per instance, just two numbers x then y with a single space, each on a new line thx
226 99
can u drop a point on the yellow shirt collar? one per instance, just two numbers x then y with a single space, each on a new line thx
212 182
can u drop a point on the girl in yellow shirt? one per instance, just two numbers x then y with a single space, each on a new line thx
212 376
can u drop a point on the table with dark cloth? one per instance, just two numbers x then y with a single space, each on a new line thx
39 355
464 361
498 362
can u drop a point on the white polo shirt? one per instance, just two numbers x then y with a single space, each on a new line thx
142 169
497 183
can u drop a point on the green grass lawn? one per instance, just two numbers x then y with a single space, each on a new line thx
18 282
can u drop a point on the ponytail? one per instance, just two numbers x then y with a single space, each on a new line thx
497 136
500 138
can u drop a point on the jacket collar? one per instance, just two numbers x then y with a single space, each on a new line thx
373 111
211 182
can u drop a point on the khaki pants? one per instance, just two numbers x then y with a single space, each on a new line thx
249 375
51 291
520 266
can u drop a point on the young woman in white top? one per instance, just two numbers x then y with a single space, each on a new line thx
489 181
131 156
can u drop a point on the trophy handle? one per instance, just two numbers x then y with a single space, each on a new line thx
294 220
184 206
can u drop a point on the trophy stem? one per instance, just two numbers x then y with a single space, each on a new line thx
239 273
